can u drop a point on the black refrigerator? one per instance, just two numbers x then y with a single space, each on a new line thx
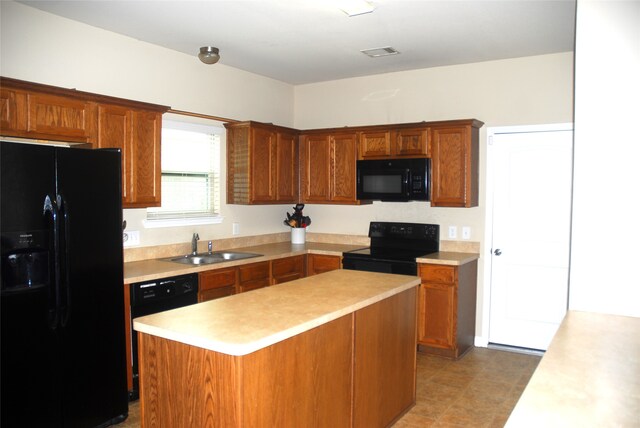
62 344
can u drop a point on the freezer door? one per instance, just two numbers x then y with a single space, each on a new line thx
29 342
92 304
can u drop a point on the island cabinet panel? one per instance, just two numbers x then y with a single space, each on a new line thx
287 269
454 165
187 386
447 308
304 381
319 263
384 379
262 163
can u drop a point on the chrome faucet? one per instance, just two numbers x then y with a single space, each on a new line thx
194 244
210 247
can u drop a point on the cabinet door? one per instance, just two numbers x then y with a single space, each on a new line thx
263 165
375 144
436 320
343 160
410 142
13 112
287 168
319 263
252 276
216 283
50 115
316 159
287 269
114 131
145 160
454 167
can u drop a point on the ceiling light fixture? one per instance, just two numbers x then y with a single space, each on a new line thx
378 52
355 7
209 54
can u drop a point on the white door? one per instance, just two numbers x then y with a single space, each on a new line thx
531 188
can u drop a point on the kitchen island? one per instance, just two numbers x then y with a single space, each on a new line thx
335 350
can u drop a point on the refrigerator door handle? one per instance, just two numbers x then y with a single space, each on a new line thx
51 209
65 286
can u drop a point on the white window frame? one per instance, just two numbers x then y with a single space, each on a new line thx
188 221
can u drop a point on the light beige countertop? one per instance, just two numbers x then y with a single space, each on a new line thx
448 258
589 376
147 270
246 322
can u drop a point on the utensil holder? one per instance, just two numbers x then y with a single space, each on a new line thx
298 235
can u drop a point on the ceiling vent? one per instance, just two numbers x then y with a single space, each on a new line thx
378 52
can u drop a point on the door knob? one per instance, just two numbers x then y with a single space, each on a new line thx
497 252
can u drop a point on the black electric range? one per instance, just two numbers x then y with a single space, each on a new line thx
394 248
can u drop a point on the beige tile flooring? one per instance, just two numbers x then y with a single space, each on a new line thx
479 390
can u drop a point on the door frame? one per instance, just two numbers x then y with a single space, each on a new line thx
486 247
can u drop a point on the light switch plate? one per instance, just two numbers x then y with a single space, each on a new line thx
235 228
453 232
466 232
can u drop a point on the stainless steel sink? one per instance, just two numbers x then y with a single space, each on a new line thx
210 258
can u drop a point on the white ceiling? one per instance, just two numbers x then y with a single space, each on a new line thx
306 41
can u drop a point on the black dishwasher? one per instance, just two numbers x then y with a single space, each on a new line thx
151 297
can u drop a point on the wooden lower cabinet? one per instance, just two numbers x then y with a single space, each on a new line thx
217 283
253 276
447 308
287 269
354 371
319 263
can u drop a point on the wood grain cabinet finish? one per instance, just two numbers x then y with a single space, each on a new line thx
217 283
447 308
253 276
393 143
328 168
262 164
454 164
31 110
355 371
319 263
287 269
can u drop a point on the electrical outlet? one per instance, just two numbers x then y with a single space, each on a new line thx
131 238
235 228
466 232
453 232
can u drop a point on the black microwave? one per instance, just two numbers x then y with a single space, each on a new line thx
397 180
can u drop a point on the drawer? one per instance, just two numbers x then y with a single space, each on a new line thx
217 279
438 273
287 269
216 293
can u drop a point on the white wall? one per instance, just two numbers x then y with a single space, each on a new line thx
605 231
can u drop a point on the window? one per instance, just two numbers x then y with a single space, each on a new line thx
190 176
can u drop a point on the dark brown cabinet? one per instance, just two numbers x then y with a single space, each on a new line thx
217 283
31 110
287 269
328 168
262 164
447 308
454 164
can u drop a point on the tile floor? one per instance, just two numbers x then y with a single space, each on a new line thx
479 390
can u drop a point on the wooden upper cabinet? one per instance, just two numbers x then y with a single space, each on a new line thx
31 110
454 164
393 143
261 164
328 168
137 134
